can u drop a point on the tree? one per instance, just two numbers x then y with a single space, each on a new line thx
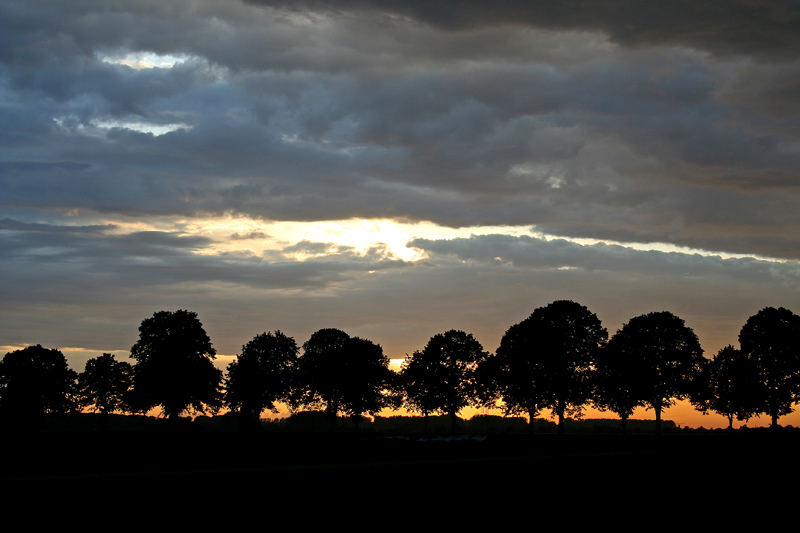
515 375
262 375
550 357
368 382
730 386
420 385
104 384
441 378
663 356
319 376
35 381
617 385
771 338
174 368
349 375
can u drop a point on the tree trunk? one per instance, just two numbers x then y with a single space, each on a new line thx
560 411
332 410
658 419
730 422
248 420
425 424
531 420
624 423
774 424
452 423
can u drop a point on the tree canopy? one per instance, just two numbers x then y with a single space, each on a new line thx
664 357
730 386
517 375
441 378
262 375
35 381
345 374
105 383
368 383
319 369
771 338
174 368
617 385
421 386
564 338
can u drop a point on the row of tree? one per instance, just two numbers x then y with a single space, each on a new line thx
559 358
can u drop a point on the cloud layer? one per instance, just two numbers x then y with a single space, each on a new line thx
622 124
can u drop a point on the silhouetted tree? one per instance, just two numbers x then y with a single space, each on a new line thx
617 385
262 375
486 389
564 338
368 383
730 386
665 355
104 384
441 377
35 381
516 374
320 371
771 338
174 368
421 387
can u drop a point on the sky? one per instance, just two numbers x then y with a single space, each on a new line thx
394 169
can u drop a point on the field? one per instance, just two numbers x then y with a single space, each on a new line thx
374 474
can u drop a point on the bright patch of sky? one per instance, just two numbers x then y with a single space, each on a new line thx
249 235
144 60
142 127
97 128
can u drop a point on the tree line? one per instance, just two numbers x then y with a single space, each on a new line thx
559 358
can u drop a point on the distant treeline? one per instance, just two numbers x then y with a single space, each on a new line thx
318 422
559 358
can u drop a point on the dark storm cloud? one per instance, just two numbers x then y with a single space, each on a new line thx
740 26
518 113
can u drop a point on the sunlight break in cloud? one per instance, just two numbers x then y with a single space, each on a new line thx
142 127
144 60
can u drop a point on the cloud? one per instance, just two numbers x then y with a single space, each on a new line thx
763 28
535 253
90 285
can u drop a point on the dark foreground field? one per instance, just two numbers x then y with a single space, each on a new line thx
371 475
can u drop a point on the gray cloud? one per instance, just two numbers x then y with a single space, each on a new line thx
77 257
768 28
86 287
247 236
533 253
